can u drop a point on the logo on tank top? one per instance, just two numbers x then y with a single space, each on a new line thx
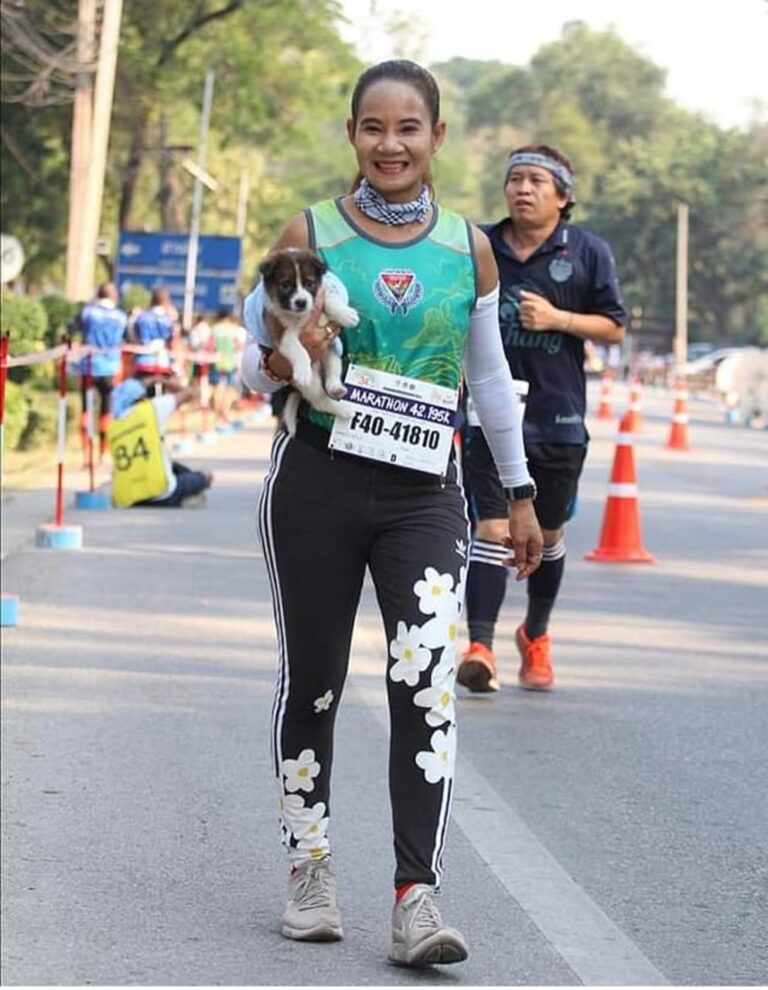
398 290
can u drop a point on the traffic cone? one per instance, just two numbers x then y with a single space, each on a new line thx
605 409
678 431
620 540
635 419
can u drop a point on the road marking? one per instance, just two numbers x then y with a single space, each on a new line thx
595 948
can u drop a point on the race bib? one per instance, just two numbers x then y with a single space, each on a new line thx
396 420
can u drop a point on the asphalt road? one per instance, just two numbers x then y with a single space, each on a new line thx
613 832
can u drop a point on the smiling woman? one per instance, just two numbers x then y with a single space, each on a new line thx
385 498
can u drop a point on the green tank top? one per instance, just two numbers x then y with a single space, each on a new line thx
414 299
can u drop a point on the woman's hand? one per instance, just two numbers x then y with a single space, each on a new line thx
318 334
524 538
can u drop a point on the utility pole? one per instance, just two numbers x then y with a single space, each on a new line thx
102 112
82 122
681 289
197 203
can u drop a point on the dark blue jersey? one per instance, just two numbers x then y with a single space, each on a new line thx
575 271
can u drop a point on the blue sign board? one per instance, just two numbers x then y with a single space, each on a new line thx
160 261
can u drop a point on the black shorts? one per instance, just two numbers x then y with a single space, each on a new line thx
555 467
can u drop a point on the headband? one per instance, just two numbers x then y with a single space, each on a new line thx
560 171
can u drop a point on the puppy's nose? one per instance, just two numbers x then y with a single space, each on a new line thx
300 303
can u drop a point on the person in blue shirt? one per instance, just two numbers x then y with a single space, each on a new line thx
559 288
153 330
103 325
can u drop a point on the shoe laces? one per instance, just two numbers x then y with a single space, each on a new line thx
538 652
313 888
426 914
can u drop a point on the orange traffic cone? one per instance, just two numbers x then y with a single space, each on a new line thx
635 420
678 431
620 540
605 409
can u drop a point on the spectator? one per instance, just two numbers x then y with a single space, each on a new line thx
143 472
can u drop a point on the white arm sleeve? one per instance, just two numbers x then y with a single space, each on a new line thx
496 402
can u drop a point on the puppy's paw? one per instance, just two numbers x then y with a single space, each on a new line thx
302 376
348 317
336 391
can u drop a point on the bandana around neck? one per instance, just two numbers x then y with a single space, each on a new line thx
373 205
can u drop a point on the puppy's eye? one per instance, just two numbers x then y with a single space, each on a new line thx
286 284
311 282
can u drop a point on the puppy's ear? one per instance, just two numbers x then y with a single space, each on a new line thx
267 267
320 266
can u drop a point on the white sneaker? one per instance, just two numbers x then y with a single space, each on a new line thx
419 937
312 914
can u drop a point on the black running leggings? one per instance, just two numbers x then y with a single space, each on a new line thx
323 520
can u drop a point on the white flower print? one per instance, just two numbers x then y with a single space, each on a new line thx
438 765
411 656
299 773
443 631
301 819
314 838
306 826
324 702
439 698
433 591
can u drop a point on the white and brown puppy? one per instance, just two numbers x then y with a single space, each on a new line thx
292 278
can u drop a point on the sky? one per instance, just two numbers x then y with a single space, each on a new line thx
715 55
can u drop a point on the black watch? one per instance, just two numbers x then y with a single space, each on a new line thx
521 492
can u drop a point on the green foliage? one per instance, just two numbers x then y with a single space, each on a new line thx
34 163
135 297
16 414
41 427
283 80
60 312
25 321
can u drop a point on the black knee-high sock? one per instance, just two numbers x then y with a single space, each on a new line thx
486 587
543 586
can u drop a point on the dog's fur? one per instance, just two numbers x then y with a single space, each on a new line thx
292 278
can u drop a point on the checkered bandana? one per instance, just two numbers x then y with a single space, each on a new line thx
373 205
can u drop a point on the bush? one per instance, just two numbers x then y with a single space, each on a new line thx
16 414
25 321
60 312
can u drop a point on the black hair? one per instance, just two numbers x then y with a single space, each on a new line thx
558 156
399 70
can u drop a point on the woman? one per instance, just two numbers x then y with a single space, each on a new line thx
380 489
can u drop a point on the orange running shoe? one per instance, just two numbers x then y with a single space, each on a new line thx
536 669
477 670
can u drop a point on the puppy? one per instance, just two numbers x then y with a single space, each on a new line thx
292 278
